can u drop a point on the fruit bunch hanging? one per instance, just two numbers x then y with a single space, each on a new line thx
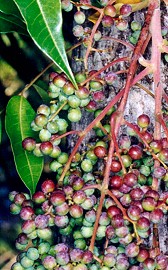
104 206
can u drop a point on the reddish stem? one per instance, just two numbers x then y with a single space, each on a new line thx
123 59
133 65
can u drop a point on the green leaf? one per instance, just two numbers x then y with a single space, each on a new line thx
19 115
9 23
42 93
9 7
44 24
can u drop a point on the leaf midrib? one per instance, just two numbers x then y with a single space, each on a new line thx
22 136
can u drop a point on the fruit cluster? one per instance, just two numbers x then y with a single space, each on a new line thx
129 210
111 16
50 125
106 203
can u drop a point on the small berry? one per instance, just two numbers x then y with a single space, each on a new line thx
29 144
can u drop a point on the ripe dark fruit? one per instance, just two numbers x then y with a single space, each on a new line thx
130 179
116 166
100 151
156 215
125 10
135 152
116 181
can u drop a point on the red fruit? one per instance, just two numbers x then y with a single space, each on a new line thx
116 181
147 136
117 221
136 194
48 186
100 151
164 142
156 146
142 255
107 21
112 211
125 10
143 121
134 212
115 166
130 179
76 211
57 198
148 204
135 152
39 197
143 224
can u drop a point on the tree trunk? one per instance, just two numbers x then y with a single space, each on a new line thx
139 101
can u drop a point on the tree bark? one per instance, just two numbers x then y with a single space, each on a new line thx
139 101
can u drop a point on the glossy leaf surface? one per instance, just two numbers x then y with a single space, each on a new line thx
9 7
19 115
44 24
10 23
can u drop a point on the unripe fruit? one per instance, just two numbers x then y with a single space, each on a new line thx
80 77
41 120
49 262
135 26
61 221
110 11
43 109
86 165
32 253
74 101
78 31
79 17
44 135
59 81
29 144
148 204
86 231
121 25
74 115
